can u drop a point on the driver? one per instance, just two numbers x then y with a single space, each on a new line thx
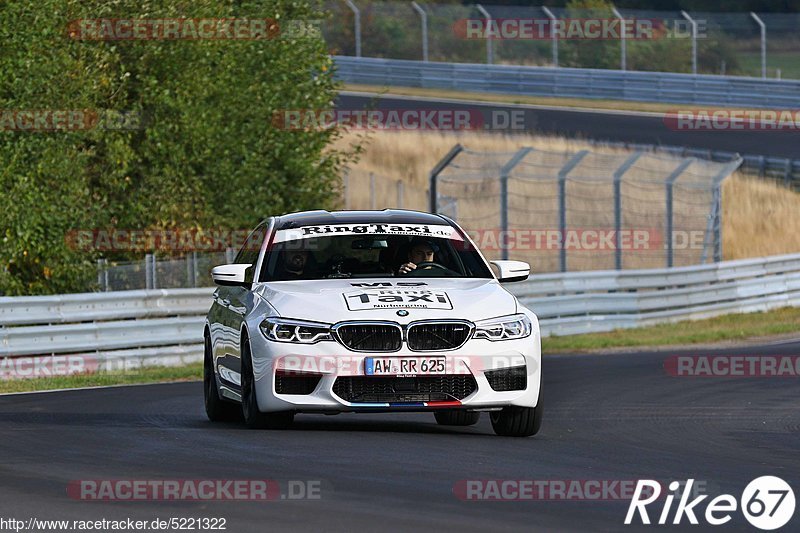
421 251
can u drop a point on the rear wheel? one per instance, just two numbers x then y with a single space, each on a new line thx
456 417
217 409
254 418
515 421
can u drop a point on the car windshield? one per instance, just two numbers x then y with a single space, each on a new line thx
369 251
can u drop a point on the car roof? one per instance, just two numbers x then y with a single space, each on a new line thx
386 216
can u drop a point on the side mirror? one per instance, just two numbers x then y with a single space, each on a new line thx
230 275
508 271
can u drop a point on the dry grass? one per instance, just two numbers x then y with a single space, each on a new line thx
759 217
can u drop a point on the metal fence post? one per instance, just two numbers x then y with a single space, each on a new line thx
346 188
102 274
763 43
357 17
189 270
562 204
714 226
489 45
618 206
553 36
148 274
670 182
155 270
372 199
195 270
230 255
718 223
400 194
424 18
694 40
446 160
505 173
622 40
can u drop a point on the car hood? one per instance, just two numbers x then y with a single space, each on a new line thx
336 300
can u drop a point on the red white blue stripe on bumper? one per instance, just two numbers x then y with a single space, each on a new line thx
442 404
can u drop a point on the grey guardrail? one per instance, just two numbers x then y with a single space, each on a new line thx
584 302
664 87
123 329
164 327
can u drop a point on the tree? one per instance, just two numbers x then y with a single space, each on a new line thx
206 153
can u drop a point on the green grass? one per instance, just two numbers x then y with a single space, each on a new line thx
156 374
724 328
788 62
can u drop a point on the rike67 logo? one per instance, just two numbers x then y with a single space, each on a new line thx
767 503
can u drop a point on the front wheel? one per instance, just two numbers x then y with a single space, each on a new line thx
515 421
217 409
254 418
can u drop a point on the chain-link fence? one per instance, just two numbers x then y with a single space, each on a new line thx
192 270
749 44
562 211
566 211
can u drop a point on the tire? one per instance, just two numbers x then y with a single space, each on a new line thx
217 409
254 418
456 417
515 421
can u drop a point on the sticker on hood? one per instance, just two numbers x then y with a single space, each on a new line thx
397 298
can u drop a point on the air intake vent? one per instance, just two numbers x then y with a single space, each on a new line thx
424 388
506 379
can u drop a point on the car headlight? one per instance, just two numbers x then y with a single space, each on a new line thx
298 331
503 328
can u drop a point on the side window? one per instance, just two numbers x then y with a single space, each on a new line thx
251 247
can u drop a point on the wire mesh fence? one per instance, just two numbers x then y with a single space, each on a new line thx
558 210
582 210
192 270
749 44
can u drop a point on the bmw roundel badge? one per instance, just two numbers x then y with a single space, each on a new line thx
402 312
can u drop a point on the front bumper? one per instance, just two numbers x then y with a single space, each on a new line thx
331 360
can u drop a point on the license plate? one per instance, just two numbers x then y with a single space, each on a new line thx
404 366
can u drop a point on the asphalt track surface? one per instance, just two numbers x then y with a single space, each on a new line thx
608 417
645 128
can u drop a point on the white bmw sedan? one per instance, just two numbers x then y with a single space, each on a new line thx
370 311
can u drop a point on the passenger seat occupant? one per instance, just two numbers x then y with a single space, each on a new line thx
294 264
